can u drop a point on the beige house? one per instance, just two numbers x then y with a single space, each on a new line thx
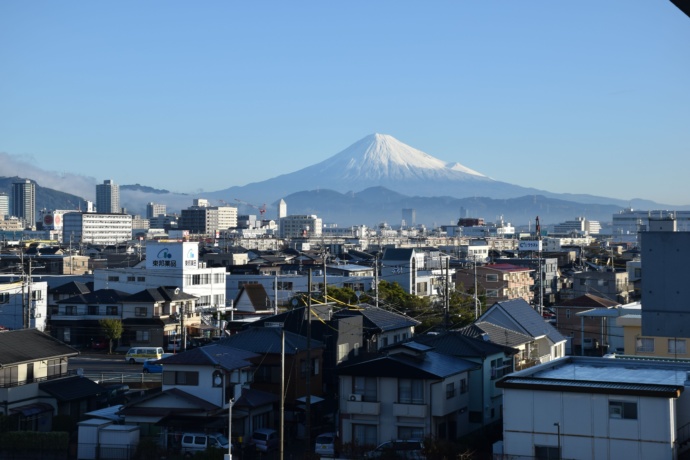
661 347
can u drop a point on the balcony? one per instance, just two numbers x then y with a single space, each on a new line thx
410 410
363 408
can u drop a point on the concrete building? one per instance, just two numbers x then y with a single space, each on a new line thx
631 222
24 202
579 226
4 205
207 220
596 408
301 226
155 210
108 197
409 217
96 228
24 305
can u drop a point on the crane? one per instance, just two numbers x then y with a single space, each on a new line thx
262 208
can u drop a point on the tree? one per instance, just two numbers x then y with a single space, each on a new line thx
112 329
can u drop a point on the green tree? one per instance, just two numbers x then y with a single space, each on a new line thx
112 329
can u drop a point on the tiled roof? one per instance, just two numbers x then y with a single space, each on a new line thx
71 388
518 315
588 301
71 288
255 398
100 296
26 345
457 343
379 319
268 340
497 334
430 365
398 253
216 354
159 294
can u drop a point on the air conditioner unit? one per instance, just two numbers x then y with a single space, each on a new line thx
355 397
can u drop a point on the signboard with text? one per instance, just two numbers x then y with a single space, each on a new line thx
529 245
172 255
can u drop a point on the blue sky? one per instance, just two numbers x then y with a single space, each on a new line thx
582 97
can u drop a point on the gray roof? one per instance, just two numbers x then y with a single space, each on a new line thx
100 296
429 365
268 340
457 343
27 345
397 253
518 315
378 318
159 294
496 334
71 388
217 354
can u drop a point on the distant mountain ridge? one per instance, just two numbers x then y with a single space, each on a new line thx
371 181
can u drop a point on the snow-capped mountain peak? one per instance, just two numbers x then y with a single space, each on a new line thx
383 157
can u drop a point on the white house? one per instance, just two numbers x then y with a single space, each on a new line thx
596 408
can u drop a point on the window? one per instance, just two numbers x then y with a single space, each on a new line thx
364 435
410 391
285 285
130 279
314 367
142 336
187 378
36 295
546 453
4 297
365 386
567 313
623 410
57 367
141 279
267 374
644 345
71 310
499 368
113 278
111 310
676 346
492 292
463 386
343 350
92 309
450 390
492 277
140 312
410 432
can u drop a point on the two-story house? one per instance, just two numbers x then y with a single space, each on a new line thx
419 271
35 384
410 392
498 282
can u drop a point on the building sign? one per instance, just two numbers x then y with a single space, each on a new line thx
529 245
172 255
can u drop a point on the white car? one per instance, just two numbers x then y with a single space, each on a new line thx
325 445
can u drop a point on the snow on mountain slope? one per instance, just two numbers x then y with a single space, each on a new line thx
383 157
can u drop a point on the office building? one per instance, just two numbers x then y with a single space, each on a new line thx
155 210
4 205
96 228
24 202
108 197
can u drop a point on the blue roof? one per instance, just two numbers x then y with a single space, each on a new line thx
268 340
378 318
518 315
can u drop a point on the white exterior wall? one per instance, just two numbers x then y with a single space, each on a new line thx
206 390
15 299
96 228
587 432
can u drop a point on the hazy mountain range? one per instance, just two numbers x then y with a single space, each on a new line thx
370 182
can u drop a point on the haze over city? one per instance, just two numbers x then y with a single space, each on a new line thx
566 97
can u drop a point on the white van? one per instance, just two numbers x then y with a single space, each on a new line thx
141 354
193 442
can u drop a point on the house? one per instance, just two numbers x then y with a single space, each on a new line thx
608 284
197 386
24 304
517 315
35 384
409 392
637 344
498 282
492 360
151 317
381 328
417 270
576 327
591 407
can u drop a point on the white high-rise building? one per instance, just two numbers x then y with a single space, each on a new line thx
155 210
282 209
108 197
4 205
301 226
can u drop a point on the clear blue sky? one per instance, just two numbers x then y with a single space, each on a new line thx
580 96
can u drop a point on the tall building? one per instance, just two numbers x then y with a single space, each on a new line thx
409 215
108 197
207 220
24 201
4 205
96 228
155 210
304 226
282 209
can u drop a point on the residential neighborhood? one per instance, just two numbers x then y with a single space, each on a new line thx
513 345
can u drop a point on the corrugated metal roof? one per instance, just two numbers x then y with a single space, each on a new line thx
26 345
582 386
380 319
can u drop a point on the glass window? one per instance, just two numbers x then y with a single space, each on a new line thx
140 311
111 310
410 391
365 386
644 344
450 390
623 410
364 435
676 346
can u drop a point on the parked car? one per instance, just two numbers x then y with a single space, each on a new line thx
265 440
194 442
100 343
113 394
152 366
401 448
325 445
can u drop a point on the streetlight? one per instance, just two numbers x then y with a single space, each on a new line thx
558 427
228 456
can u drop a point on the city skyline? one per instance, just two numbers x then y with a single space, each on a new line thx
561 97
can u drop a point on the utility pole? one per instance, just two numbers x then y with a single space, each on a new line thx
376 280
308 369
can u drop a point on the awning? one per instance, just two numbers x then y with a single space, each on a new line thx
32 409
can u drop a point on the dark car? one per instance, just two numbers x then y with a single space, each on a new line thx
100 343
113 394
